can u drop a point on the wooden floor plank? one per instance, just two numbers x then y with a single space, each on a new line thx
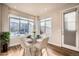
52 50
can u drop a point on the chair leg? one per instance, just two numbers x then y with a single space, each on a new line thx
46 51
24 52
30 51
41 52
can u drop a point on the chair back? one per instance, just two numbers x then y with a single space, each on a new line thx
22 43
45 42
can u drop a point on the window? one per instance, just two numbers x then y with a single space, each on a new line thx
30 27
48 27
42 27
20 25
24 27
14 26
70 21
45 25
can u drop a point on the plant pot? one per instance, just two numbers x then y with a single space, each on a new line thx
4 47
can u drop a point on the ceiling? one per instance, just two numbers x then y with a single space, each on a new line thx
38 9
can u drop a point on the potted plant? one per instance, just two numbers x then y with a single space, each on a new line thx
5 36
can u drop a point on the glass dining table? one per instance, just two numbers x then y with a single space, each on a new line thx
32 48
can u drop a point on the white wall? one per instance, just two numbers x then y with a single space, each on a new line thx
56 27
56 16
0 18
0 26
4 21
37 25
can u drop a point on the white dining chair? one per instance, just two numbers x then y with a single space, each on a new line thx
25 47
42 45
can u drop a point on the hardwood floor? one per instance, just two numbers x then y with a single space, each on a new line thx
64 51
17 51
51 51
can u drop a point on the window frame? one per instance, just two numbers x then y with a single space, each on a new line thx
46 20
10 23
19 18
66 29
